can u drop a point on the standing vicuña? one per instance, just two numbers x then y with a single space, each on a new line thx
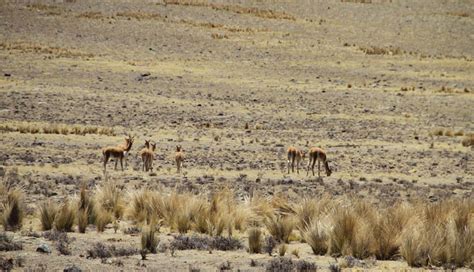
179 158
317 154
295 155
142 153
149 156
117 152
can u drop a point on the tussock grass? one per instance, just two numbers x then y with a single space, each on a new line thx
374 50
468 140
424 234
12 207
255 240
64 220
47 212
149 241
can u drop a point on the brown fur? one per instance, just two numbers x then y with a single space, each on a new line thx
317 154
117 152
179 158
295 155
149 156
143 153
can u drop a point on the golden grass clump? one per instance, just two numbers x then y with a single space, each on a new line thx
47 212
317 236
109 197
280 227
374 50
468 140
12 208
35 128
140 206
85 210
64 220
149 241
255 240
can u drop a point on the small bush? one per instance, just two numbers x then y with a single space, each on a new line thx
99 250
102 218
269 245
47 214
280 264
183 242
225 243
468 140
225 266
305 266
255 240
7 243
149 240
65 218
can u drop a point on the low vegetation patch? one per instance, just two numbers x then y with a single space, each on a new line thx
45 128
101 250
183 242
7 243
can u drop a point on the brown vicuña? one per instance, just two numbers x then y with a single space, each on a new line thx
295 156
148 156
317 154
143 153
118 152
179 158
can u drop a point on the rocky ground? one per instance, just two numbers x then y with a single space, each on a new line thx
235 84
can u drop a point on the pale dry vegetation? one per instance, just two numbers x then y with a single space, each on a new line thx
36 48
48 128
423 234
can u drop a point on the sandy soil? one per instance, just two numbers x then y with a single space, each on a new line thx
366 82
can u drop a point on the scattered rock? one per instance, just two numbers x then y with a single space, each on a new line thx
44 248
72 268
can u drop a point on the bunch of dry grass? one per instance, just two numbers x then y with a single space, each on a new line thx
85 212
12 208
280 227
468 140
64 220
255 240
316 235
47 213
34 128
140 206
149 241
109 197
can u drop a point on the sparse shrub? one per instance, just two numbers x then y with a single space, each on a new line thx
63 247
47 213
255 240
280 264
7 243
225 266
12 209
64 220
132 230
269 245
6 264
305 266
149 240
225 243
282 249
99 250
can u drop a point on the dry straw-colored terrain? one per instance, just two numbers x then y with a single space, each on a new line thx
385 87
